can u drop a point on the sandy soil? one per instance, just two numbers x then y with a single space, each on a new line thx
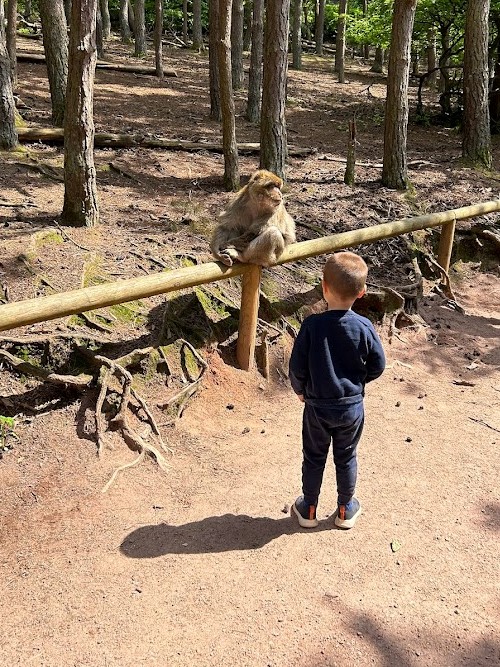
203 565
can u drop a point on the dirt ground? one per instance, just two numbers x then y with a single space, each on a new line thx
202 564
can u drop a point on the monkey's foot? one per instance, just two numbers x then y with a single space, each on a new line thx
226 259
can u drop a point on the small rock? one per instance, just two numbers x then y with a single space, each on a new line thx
245 430
408 439
398 404
420 407
230 406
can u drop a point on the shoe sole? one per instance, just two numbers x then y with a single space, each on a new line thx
347 523
305 523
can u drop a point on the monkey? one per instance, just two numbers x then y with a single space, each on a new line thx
255 228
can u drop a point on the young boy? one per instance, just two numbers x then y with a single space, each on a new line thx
335 354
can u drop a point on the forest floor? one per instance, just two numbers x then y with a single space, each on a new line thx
202 564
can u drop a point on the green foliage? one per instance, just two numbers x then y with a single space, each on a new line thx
7 430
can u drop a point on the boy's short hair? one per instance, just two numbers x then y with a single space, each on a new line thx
345 274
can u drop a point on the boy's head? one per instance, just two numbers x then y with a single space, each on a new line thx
344 276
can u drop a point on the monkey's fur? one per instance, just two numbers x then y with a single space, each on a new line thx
255 228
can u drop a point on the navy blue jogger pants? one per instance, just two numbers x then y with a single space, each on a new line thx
321 427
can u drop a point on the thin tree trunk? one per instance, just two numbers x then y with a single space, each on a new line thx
319 26
80 189
213 66
366 47
158 38
297 35
197 27
98 33
255 74
106 20
237 44
140 29
131 17
444 60
185 21
67 10
431 58
28 10
247 21
12 38
125 33
476 145
273 138
378 63
395 169
231 170
350 168
340 42
8 132
55 44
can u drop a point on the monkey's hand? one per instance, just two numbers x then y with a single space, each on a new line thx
228 256
225 259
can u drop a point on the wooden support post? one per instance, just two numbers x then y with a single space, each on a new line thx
446 244
249 312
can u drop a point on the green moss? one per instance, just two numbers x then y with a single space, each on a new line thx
270 287
191 363
45 238
130 312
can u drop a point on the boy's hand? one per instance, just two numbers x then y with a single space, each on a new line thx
301 398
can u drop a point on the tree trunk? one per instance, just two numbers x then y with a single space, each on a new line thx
185 21
28 10
476 145
237 44
378 63
55 44
273 139
231 170
106 20
395 169
197 27
67 11
158 38
80 188
98 33
297 35
247 22
444 60
8 132
319 26
213 66
255 74
366 47
431 58
140 29
131 17
125 33
340 42
12 39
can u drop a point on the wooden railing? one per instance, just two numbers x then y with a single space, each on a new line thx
44 308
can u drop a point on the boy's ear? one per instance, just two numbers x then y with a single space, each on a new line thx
362 293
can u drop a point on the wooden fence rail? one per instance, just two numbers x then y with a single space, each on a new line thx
21 313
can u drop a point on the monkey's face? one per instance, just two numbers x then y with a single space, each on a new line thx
265 188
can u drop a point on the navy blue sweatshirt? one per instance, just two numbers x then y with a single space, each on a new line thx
335 354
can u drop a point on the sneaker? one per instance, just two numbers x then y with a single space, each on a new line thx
306 514
346 515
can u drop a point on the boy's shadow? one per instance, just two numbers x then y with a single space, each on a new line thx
215 534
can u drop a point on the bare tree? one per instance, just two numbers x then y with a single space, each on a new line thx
273 138
8 133
197 26
185 21
378 63
319 26
140 29
476 144
340 41
55 44
237 44
395 169
158 38
213 66
106 20
80 188
247 21
231 169
297 35
12 38
125 33
366 47
431 58
255 74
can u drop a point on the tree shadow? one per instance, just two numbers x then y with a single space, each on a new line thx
214 534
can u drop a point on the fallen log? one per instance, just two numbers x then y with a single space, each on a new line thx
55 135
135 69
